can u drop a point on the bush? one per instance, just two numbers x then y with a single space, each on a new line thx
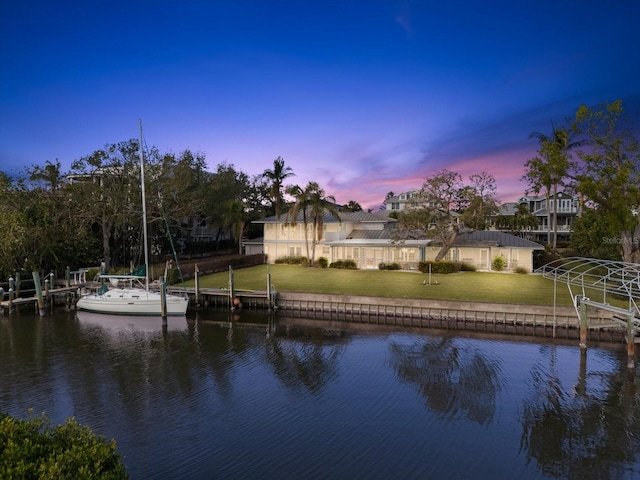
292 260
468 267
389 266
521 270
323 262
499 263
344 264
443 266
34 449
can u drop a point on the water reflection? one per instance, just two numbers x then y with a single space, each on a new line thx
588 431
453 378
189 400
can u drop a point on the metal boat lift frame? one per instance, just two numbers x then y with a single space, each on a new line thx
587 277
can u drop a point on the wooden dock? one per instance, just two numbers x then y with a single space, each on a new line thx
50 297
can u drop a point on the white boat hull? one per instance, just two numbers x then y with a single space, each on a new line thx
132 301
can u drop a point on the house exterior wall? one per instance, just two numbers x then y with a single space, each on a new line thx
482 257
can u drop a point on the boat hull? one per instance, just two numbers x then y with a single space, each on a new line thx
132 301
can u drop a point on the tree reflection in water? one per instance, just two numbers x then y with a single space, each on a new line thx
583 432
305 357
453 381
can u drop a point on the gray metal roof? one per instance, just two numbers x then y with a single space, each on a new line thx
493 238
348 217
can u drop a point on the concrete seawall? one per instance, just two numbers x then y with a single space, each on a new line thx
536 320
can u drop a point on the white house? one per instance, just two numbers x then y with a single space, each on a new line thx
367 239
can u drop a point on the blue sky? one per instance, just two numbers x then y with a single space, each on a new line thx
364 97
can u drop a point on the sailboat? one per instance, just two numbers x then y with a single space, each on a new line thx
130 294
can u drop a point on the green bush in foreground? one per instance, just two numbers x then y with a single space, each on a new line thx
389 266
33 449
442 266
293 260
344 264
499 263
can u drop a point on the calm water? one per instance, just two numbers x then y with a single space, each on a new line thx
218 397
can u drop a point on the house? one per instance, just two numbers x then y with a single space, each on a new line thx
368 240
565 204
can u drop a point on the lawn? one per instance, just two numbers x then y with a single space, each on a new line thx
531 289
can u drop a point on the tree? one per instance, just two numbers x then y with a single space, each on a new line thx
312 203
608 174
300 205
479 201
389 195
13 225
225 185
111 178
434 216
549 170
275 177
352 206
319 204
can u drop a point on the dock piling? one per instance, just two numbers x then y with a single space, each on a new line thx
38 286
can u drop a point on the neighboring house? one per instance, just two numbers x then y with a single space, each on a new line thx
404 201
367 239
567 207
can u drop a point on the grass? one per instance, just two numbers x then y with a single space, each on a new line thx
513 288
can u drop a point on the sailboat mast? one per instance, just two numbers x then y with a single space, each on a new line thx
144 215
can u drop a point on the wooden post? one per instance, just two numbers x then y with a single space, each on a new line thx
163 300
631 344
583 322
269 302
11 301
18 282
231 289
196 278
67 276
38 286
47 285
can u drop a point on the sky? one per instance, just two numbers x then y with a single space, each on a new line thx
362 97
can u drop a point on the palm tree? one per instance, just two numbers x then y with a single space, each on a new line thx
319 203
234 216
300 204
312 203
276 177
550 169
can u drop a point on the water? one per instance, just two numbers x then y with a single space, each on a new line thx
218 397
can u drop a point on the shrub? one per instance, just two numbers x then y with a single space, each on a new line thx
499 263
292 260
389 266
467 267
344 264
35 449
443 266
521 270
323 262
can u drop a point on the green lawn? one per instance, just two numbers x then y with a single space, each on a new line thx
529 289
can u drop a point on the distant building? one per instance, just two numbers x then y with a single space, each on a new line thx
566 205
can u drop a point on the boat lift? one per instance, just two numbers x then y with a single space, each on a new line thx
595 283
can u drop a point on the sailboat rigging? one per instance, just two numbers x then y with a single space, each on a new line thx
126 299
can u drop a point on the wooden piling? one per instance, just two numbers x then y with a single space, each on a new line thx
196 277
163 300
38 287
231 287
631 344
